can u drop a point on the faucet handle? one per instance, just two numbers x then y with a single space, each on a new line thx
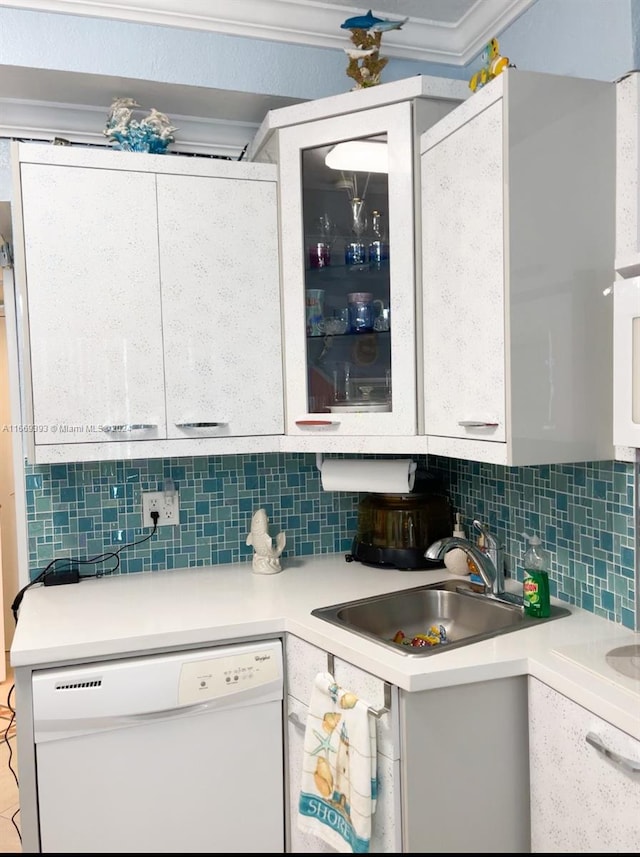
483 529
490 543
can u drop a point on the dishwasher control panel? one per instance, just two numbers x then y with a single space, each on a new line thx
201 680
102 695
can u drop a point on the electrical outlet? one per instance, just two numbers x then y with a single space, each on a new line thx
167 503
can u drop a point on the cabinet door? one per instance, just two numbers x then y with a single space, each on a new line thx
385 824
626 362
93 303
221 306
303 662
581 801
463 281
348 276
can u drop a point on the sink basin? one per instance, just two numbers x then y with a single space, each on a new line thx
448 615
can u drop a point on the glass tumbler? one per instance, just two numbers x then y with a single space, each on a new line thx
361 315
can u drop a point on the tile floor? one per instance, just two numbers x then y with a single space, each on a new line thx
9 805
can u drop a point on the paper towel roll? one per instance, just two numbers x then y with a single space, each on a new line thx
389 476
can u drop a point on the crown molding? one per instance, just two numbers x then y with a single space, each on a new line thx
22 119
304 22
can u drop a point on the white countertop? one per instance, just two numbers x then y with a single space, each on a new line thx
137 613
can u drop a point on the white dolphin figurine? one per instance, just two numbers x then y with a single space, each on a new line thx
266 557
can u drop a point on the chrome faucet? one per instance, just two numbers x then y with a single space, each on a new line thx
493 549
489 562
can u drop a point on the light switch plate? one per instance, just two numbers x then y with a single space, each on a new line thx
167 503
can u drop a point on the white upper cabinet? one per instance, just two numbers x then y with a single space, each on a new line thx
150 304
627 260
626 290
93 302
347 382
517 253
220 306
626 362
348 249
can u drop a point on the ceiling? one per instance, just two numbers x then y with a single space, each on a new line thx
445 31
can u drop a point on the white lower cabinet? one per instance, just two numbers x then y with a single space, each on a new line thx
465 768
585 793
453 771
304 662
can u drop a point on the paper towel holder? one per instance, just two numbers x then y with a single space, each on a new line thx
412 466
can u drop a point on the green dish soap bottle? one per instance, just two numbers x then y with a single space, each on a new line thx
537 564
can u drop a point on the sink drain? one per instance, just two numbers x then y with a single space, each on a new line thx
626 660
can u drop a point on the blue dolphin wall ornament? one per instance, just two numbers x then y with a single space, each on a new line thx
371 23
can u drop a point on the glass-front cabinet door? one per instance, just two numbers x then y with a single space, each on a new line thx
347 226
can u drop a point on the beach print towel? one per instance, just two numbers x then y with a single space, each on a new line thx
339 783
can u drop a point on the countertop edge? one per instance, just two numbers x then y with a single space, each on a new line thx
189 608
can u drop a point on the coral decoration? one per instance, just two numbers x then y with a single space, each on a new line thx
365 63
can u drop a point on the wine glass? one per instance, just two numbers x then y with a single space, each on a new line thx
327 229
358 217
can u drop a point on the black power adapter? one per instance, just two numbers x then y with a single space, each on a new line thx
56 578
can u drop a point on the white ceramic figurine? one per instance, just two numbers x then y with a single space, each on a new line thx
266 557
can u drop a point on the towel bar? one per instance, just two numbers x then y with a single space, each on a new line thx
376 712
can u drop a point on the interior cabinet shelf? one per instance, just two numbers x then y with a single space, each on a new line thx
348 334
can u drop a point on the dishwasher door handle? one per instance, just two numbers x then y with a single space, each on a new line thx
167 713
52 729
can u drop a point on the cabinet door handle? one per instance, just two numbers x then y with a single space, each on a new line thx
628 765
476 424
316 423
202 425
295 721
123 427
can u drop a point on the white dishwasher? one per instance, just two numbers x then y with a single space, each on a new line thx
166 753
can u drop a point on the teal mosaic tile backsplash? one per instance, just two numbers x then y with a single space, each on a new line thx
584 514
87 509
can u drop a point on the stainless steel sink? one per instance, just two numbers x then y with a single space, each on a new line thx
448 615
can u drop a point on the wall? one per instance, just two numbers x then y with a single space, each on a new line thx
191 57
585 512
579 38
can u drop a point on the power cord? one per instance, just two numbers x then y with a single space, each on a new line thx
50 569
6 737
67 564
